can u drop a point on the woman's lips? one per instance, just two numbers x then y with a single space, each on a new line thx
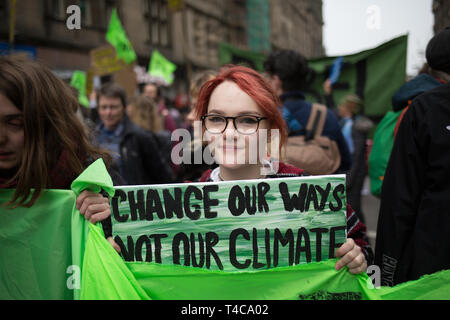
5 155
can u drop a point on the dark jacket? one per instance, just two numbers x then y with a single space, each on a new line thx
413 234
299 109
412 89
142 162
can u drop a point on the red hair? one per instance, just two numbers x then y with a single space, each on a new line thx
253 84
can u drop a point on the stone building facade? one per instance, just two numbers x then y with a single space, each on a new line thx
441 11
189 37
297 25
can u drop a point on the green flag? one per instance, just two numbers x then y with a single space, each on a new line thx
230 54
162 68
117 37
78 81
374 75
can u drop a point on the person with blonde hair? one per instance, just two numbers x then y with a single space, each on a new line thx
144 112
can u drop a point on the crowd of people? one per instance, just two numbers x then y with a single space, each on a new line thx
45 143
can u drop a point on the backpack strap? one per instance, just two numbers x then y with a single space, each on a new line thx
316 121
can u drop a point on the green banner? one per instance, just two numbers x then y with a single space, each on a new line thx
230 54
232 226
78 81
50 251
160 67
365 74
117 37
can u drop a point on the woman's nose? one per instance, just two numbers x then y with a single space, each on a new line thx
230 130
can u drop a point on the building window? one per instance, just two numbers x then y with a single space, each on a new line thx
86 13
156 12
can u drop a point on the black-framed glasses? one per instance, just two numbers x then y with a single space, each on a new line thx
245 124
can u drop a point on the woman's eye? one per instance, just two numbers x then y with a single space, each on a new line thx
215 119
248 120
16 123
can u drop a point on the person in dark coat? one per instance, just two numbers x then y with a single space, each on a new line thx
135 150
288 73
413 233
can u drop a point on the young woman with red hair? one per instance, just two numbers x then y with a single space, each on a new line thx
235 108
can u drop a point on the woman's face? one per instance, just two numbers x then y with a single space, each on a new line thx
11 134
231 148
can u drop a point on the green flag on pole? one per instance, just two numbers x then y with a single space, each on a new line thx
78 81
160 67
117 37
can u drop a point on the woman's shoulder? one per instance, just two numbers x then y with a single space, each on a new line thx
205 176
287 170
284 171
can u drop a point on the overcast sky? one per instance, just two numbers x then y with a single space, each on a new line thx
351 26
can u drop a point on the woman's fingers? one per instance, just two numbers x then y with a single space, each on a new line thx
93 206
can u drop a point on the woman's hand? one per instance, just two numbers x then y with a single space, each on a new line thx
351 255
113 244
93 206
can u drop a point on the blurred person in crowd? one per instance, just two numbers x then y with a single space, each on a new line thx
355 129
43 144
413 226
153 91
192 171
143 112
233 108
288 73
329 101
135 150
196 82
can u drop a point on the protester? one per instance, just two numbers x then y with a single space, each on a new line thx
386 131
355 129
242 95
43 144
143 112
134 150
288 72
413 226
329 100
153 91
192 171
196 83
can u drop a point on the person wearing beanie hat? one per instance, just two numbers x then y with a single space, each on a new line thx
438 51
438 54
413 233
